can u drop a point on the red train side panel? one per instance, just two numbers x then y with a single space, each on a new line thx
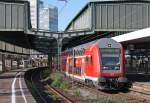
99 62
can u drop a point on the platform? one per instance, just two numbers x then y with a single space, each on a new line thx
139 77
13 88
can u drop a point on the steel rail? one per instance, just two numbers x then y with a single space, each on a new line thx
58 93
55 91
99 92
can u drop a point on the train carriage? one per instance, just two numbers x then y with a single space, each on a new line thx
99 63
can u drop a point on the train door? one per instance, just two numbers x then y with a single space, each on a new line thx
70 66
82 68
67 66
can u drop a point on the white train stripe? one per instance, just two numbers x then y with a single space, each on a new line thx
92 78
83 77
79 56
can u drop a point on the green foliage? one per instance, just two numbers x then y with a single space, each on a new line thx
57 79
56 76
56 83
77 93
52 96
45 74
64 85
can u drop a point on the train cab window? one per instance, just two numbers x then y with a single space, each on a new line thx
110 58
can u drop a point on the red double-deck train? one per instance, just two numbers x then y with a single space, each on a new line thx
100 63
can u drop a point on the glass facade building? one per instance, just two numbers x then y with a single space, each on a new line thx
48 18
34 13
43 18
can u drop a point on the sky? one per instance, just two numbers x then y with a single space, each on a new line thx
66 11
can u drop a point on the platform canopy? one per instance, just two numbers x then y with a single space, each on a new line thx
138 36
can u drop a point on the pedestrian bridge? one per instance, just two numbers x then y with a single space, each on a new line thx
15 23
14 16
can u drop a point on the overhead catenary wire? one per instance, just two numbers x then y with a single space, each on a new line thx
65 4
62 8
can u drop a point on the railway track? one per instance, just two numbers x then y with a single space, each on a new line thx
60 95
127 95
141 92
33 82
141 88
40 98
65 99
38 89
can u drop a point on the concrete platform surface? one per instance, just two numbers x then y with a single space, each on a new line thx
13 88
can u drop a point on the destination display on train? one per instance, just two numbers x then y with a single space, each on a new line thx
110 50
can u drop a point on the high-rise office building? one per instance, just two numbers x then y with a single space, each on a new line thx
35 5
45 18
48 18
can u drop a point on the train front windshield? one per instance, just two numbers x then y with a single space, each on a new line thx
110 58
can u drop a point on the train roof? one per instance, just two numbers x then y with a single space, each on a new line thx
94 42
